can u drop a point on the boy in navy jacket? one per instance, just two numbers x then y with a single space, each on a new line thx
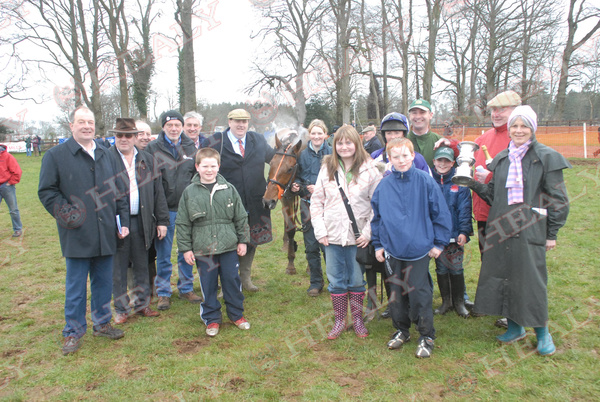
411 224
449 266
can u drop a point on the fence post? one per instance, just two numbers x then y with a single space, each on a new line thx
584 143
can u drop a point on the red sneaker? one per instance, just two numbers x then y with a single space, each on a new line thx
212 329
242 324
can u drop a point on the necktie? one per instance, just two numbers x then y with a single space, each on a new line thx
242 151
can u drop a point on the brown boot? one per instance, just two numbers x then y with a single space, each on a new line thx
191 297
164 303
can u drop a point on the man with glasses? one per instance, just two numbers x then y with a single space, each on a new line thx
146 202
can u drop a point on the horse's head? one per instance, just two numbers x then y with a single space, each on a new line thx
282 172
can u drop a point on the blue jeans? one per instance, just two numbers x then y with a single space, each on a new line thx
211 268
164 268
343 272
28 151
9 194
100 272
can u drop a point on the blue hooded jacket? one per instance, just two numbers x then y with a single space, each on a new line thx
411 215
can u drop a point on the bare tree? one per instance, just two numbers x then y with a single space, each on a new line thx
117 31
579 12
341 10
459 25
400 28
187 76
498 19
69 36
434 10
140 60
292 25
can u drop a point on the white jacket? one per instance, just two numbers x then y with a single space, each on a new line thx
328 213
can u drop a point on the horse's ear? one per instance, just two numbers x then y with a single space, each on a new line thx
298 147
277 142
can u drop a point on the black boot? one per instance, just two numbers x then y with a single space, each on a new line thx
444 285
458 295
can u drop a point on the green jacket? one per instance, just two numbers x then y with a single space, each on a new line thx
424 145
211 223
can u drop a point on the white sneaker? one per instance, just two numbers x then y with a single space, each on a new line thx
212 329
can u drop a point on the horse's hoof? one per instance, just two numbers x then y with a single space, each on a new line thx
290 270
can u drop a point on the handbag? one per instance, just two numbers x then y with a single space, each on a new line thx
366 255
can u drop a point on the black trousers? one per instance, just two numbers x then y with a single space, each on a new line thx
412 295
131 249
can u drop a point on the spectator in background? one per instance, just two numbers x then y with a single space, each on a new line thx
192 126
28 145
39 145
10 175
144 135
370 140
34 144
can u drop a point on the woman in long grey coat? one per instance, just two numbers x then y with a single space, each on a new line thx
529 204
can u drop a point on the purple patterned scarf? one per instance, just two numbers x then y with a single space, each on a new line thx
514 181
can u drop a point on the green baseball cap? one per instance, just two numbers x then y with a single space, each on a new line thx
420 104
444 152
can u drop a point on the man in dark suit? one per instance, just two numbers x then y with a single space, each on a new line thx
146 202
80 188
243 157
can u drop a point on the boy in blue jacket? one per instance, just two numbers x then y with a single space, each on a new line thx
449 266
411 224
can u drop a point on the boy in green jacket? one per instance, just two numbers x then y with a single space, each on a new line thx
212 231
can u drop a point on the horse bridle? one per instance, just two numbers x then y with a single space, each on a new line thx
284 188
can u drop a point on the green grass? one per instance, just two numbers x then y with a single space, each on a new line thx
285 355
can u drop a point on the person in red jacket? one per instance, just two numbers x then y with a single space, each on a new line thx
10 174
496 139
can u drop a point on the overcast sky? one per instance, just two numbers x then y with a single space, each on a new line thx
223 53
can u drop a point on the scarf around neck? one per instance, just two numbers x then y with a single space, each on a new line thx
514 180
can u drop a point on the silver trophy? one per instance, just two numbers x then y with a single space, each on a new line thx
465 161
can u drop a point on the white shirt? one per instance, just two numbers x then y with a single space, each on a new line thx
134 193
235 142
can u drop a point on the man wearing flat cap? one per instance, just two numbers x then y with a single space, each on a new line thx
370 140
174 155
147 202
243 157
496 140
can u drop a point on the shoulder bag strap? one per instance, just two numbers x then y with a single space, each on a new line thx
348 208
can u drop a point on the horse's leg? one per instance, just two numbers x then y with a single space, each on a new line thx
285 237
287 205
292 247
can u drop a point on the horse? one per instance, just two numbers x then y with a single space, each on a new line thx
282 173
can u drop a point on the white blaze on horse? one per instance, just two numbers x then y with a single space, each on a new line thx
282 174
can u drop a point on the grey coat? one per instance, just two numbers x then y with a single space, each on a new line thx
513 278
153 209
84 196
